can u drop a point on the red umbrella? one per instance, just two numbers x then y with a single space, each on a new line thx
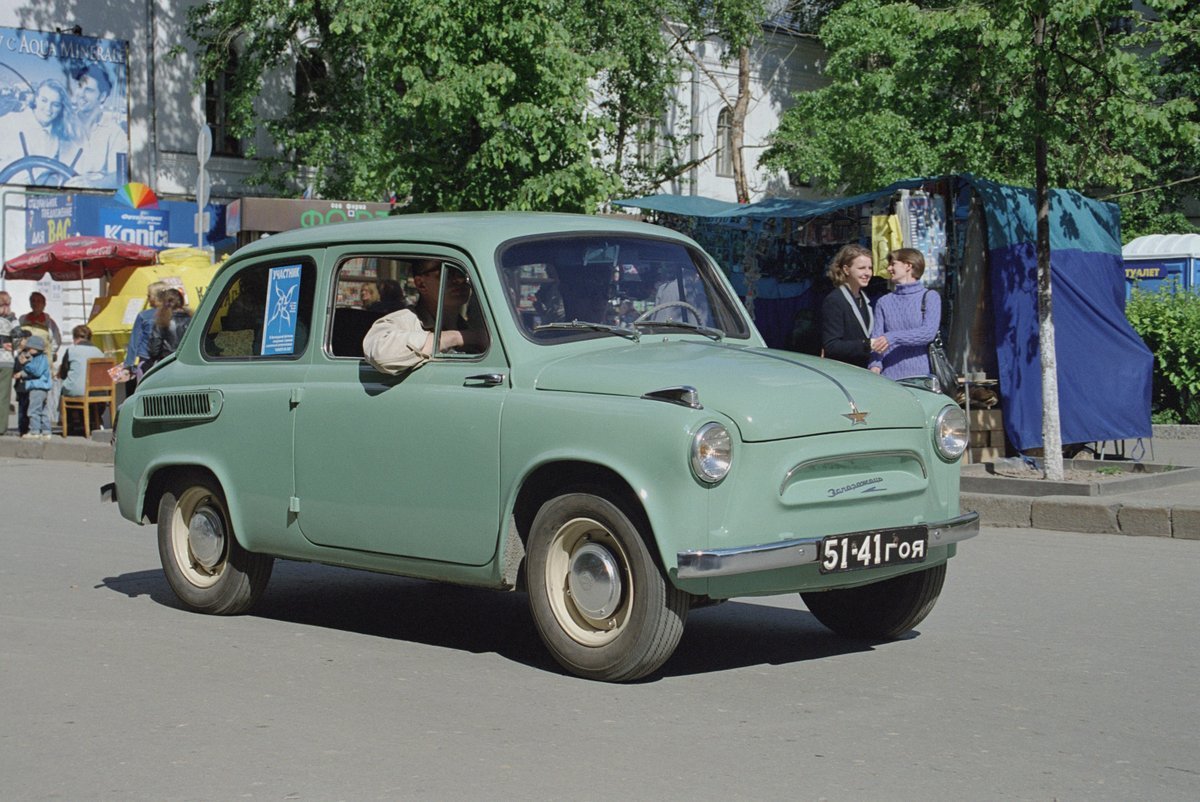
78 258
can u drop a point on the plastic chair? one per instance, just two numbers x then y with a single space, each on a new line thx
98 389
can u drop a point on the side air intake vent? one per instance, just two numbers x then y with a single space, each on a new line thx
179 406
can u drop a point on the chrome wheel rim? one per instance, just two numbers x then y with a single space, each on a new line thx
587 582
199 537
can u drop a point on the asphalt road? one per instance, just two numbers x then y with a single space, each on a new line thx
1055 666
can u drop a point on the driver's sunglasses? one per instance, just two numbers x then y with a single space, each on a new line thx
455 275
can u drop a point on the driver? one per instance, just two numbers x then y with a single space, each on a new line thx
403 340
678 292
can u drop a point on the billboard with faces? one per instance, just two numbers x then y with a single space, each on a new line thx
64 110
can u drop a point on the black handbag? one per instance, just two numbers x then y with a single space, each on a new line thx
939 363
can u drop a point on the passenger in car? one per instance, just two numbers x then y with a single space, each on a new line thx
402 340
391 298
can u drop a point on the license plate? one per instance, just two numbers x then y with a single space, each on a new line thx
873 549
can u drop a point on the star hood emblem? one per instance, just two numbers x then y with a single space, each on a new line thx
855 417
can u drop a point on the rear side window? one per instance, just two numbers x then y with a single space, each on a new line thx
264 312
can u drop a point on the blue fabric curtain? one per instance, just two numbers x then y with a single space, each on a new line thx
1104 368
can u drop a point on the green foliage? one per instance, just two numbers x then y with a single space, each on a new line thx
459 105
1169 323
927 89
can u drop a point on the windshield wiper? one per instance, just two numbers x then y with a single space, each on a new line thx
586 325
715 334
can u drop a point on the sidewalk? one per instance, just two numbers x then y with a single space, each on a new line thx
1172 511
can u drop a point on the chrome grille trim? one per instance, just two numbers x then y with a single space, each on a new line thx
812 463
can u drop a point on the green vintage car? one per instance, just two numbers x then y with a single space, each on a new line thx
608 434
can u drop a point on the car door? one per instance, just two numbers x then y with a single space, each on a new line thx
254 345
403 465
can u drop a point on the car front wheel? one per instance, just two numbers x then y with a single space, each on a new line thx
880 611
204 564
600 603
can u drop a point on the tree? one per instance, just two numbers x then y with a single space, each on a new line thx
734 25
454 105
948 88
1174 40
1049 92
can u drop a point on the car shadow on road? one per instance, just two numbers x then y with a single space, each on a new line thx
735 634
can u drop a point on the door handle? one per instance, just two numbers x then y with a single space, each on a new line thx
484 380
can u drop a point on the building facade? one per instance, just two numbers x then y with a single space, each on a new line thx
94 96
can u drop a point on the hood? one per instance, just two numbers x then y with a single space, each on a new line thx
769 394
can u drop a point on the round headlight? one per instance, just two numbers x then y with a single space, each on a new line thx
712 453
950 433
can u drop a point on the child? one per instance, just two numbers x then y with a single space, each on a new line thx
35 370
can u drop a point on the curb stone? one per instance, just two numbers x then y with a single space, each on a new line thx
998 510
1144 520
1071 513
1185 523
71 449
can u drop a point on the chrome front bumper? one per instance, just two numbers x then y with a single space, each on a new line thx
790 553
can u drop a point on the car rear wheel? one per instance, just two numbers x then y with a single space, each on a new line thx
880 611
601 605
205 565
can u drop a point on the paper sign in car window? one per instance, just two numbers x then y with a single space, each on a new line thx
283 303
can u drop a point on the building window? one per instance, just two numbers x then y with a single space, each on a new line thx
311 76
652 145
216 109
725 143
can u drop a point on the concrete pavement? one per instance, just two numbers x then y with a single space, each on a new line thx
1168 510
1171 511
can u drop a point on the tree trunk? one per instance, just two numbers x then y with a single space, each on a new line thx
737 126
1052 460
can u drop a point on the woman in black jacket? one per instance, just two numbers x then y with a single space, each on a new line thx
846 315
170 322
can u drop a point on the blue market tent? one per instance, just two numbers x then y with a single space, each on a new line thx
1104 369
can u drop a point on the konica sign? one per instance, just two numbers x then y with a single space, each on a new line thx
49 218
150 227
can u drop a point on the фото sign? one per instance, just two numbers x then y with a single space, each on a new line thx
64 110
283 214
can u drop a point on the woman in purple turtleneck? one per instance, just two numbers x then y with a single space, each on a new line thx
898 317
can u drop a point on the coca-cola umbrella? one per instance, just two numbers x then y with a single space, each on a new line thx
78 258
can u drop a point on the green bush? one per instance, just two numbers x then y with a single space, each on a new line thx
1169 323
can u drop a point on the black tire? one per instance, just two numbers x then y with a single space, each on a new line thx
623 619
880 611
205 565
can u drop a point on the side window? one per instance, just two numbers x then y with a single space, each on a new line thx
264 312
370 287
459 319
366 288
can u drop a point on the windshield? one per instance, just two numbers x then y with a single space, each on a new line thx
597 285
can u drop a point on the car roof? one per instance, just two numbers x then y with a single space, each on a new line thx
476 230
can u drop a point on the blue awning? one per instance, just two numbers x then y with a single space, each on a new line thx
786 208
684 205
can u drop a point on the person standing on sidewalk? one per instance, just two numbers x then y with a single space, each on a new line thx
909 319
36 322
35 369
139 336
8 323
